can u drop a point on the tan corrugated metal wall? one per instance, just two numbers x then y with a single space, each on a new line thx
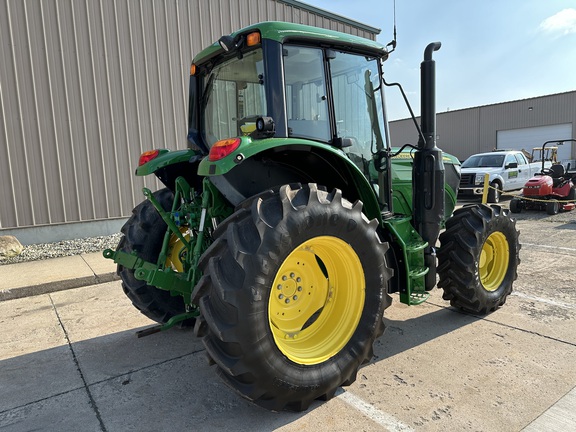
87 85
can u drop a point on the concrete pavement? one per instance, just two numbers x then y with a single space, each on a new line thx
45 276
70 360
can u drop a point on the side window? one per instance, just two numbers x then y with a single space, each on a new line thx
307 102
509 159
520 159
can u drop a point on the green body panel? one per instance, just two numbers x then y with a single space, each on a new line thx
402 184
282 31
165 158
412 291
249 147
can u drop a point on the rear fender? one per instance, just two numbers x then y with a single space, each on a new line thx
169 165
264 164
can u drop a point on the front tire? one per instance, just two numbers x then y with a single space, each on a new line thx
552 207
478 258
515 205
494 192
293 293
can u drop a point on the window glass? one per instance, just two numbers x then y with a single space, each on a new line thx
234 97
306 98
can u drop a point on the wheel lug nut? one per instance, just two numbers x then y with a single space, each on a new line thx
279 287
292 275
281 296
299 288
284 278
287 300
298 279
295 298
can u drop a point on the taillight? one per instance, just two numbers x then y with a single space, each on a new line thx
223 148
148 156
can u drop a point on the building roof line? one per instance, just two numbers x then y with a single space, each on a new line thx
492 104
331 15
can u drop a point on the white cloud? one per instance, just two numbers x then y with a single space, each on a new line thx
564 22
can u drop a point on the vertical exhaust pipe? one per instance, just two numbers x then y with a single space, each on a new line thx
428 169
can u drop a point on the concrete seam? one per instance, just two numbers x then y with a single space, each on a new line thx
41 400
147 367
91 269
484 318
78 368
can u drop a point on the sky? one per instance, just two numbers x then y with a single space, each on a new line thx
492 50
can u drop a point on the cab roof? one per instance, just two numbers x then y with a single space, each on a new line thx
284 32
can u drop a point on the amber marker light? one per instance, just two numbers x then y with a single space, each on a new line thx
253 39
193 69
223 148
147 156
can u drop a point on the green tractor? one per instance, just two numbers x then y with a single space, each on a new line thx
290 219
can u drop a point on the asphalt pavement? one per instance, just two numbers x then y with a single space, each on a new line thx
70 359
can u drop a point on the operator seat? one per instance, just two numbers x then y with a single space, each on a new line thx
557 174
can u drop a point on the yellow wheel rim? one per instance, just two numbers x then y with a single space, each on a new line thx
177 251
494 260
316 300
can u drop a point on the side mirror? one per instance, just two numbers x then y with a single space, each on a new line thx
511 165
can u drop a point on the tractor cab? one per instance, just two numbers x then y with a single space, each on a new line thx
321 92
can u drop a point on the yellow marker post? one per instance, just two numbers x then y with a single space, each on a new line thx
486 186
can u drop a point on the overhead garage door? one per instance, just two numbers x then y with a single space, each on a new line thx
527 138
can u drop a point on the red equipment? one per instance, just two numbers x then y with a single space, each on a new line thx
552 189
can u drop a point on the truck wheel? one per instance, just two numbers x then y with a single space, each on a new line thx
478 258
144 232
515 205
552 207
293 293
494 192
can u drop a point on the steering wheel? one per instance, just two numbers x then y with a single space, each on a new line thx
547 171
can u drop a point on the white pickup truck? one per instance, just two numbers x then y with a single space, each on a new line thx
509 170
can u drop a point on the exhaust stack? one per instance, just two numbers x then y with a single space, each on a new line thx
428 170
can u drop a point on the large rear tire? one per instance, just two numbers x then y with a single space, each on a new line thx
478 258
144 232
293 293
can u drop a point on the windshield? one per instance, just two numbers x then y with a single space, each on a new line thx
484 161
234 97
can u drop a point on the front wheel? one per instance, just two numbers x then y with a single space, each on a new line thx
478 258
494 192
293 293
515 205
552 207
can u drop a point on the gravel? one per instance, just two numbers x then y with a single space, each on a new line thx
63 248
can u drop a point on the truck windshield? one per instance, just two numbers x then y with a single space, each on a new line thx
234 97
483 161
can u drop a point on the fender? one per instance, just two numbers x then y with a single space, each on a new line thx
260 164
167 165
